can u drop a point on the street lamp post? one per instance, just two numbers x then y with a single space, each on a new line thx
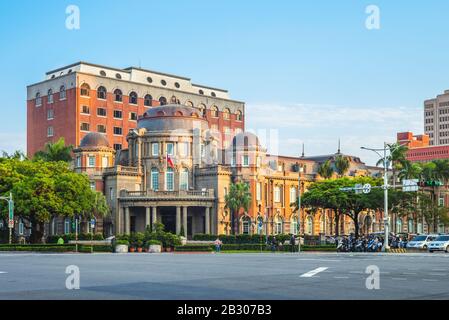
385 187
300 171
11 214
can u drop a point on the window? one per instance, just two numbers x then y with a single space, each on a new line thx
293 196
38 99
133 98
441 201
133 116
50 132
101 128
177 85
118 114
184 179
246 225
105 162
163 101
21 228
117 131
155 149
183 149
91 161
277 194
101 93
148 101
85 110
309 226
214 111
226 114
278 225
238 116
398 225
50 114
150 80
50 96
62 93
294 226
154 179
67 226
201 92
170 150
213 94
111 193
85 126
169 180
163 82
117 146
258 191
92 185
85 90
245 161
78 161
102 73
258 162
118 96
101 112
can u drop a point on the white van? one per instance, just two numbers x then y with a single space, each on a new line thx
421 241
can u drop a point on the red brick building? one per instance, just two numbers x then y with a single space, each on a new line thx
420 149
83 97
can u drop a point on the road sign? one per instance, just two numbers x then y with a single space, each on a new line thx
410 185
11 210
366 188
358 188
92 223
11 224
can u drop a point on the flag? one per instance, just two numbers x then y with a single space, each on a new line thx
170 162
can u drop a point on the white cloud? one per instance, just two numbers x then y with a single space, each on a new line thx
320 127
11 142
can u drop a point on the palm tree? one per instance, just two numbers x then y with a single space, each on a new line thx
341 165
54 152
410 170
397 157
239 197
325 170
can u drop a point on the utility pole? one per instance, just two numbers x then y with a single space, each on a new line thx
10 214
300 171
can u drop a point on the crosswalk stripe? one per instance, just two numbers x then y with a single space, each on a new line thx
312 273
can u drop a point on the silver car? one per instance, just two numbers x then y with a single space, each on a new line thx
421 241
440 244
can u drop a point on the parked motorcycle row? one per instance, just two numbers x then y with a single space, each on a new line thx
370 243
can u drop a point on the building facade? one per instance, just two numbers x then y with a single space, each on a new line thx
436 119
83 97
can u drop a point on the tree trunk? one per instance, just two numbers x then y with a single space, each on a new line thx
337 223
356 224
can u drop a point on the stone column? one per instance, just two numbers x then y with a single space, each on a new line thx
118 220
207 220
178 220
184 220
127 221
153 217
147 217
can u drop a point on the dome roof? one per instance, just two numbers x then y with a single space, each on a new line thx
246 140
94 139
172 117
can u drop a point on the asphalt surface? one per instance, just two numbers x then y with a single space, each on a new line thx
307 276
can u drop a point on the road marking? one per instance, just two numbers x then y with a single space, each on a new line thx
341 277
430 280
325 260
399 279
312 273
409 273
1 272
356 272
437 274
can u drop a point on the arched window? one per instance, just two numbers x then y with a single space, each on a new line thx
293 197
174 100
278 225
184 179
101 93
62 93
294 225
163 101
309 226
398 225
259 225
202 108
155 179
411 226
50 96
85 90
118 95
246 225
214 112
169 180
189 104
133 98
238 116
226 114
420 228
38 99
148 100
67 226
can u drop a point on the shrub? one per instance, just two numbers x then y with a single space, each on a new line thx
122 242
153 243
194 248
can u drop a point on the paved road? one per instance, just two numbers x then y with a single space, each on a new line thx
224 276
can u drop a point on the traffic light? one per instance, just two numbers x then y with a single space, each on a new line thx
432 183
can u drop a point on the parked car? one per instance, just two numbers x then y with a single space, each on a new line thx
421 241
440 244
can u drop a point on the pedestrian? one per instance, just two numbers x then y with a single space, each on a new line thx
218 244
273 244
292 243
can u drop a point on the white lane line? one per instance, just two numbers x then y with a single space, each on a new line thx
437 274
324 260
409 273
341 277
2 272
312 273
430 280
399 279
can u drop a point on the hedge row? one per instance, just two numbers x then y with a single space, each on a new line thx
197 248
53 248
72 237
252 247
242 238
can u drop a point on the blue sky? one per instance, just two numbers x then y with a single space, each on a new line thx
309 69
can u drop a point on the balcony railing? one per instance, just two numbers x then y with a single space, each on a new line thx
121 169
207 194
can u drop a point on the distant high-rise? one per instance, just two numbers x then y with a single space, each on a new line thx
83 97
436 119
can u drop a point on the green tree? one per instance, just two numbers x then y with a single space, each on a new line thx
397 158
325 170
238 197
341 165
57 151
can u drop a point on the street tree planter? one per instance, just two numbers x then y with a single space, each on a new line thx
121 248
155 248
